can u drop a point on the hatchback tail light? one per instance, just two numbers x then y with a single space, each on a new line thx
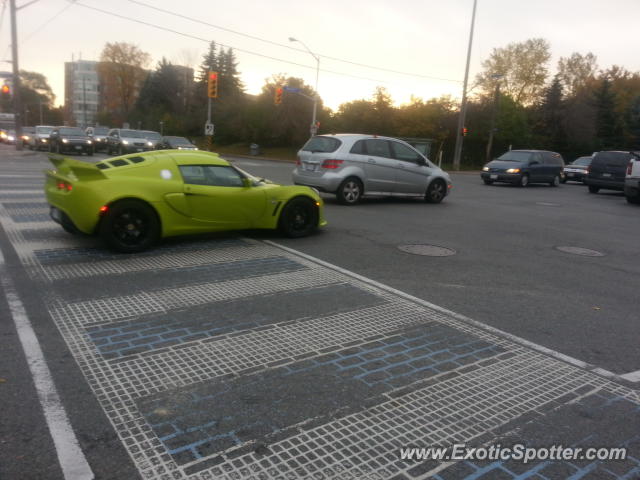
629 167
331 164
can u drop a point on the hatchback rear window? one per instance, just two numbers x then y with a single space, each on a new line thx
322 144
617 159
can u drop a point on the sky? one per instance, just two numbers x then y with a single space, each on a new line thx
426 40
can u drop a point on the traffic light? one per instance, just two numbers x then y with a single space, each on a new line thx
6 89
465 130
213 85
278 99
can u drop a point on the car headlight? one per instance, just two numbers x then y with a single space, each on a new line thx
64 140
26 137
513 170
150 144
485 169
89 142
124 142
10 138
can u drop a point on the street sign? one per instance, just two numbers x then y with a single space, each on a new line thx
291 89
208 128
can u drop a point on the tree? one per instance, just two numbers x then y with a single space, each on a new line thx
551 115
576 71
608 127
122 73
521 69
37 99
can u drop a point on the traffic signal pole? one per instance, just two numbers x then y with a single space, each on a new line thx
17 100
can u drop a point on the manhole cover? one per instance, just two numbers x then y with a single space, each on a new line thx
427 250
548 204
581 251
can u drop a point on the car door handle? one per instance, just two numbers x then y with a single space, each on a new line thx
371 160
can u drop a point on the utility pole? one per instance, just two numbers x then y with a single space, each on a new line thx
17 100
313 129
463 106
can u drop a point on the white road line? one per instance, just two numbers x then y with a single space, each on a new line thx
629 377
72 461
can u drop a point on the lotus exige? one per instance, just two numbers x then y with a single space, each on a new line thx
133 200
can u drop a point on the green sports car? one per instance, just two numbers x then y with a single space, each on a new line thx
133 200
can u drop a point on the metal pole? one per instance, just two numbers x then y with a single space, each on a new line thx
209 137
84 103
463 106
17 100
40 106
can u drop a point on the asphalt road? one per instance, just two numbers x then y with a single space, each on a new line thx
507 271
231 356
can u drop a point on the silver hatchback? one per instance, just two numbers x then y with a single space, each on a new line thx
352 166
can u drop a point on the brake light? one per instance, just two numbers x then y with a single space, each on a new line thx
65 186
331 164
103 210
629 167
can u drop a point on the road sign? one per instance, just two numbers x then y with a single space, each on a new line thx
208 128
291 89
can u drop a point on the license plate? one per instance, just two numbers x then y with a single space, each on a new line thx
55 214
78 147
606 174
494 177
310 167
571 174
139 149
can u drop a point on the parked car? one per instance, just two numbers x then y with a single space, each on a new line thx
98 136
10 137
140 198
179 143
121 141
154 137
352 166
576 171
608 170
70 139
40 139
27 133
632 179
522 167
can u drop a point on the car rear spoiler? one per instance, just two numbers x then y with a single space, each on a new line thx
81 170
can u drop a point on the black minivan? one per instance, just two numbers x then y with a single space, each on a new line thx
608 170
522 167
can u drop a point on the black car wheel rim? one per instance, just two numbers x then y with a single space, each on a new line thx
437 191
131 227
299 218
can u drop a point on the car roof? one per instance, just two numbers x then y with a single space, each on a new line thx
196 157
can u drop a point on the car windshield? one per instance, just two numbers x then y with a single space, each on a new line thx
321 144
100 130
152 135
586 161
178 141
44 129
132 134
28 129
71 131
515 156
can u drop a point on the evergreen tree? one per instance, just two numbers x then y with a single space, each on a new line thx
551 112
210 62
608 125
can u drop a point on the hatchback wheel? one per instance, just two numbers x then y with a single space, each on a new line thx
130 226
299 218
350 191
593 189
436 192
555 182
524 180
634 199
488 182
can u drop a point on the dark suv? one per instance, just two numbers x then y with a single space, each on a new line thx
70 139
607 170
522 167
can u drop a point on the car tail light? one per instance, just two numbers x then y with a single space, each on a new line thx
298 163
331 164
65 186
629 167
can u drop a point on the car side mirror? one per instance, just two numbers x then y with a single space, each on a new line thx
422 162
246 182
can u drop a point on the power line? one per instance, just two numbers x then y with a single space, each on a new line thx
188 35
283 45
45 24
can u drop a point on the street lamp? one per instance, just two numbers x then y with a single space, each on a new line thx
314 127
